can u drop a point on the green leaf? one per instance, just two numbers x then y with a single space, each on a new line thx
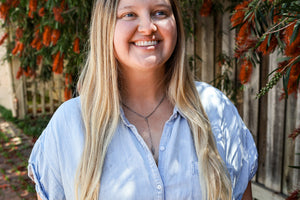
295 32
282 59
285 80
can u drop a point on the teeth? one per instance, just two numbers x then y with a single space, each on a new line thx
145 43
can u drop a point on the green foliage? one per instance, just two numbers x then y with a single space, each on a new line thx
28 22
265 26
31 126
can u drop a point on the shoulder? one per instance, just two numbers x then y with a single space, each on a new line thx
213 100
234 141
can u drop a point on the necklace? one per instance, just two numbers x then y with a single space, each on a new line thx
146 119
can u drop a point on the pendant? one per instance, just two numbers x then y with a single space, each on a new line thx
152 150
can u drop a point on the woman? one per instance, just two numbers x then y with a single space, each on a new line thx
142 128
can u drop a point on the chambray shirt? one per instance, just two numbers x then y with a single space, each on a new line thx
130 172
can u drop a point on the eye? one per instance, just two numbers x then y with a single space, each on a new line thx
160 14
128 16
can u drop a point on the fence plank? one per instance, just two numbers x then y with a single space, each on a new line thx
250 104
205 47
262 193
262 123
275 133
292 116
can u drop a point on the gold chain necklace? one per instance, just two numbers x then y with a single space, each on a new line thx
146 119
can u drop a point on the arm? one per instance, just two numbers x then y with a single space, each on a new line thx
248 193
38 197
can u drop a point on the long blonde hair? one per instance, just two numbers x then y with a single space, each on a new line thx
100 103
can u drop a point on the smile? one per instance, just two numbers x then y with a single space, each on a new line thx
146 43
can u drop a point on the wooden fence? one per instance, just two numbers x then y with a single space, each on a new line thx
36 97
269 119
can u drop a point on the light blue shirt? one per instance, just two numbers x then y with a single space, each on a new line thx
130 172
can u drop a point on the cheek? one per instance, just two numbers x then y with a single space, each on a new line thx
169 30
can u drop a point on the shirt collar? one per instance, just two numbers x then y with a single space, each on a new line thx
176 113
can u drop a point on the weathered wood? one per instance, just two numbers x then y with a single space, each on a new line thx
205 47
261 193
292 117
262 123
250 104
296 172
217 43
275 133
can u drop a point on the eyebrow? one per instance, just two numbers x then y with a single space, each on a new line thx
157 5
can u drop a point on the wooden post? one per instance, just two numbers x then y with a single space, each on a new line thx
262 123
275 133
205 47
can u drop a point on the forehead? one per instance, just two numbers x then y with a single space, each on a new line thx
142 3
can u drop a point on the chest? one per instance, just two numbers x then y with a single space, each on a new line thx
150 127
130 172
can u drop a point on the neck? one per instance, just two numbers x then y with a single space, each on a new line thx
140 88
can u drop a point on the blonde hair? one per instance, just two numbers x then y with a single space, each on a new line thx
100 103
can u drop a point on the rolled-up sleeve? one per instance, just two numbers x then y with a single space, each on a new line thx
43 167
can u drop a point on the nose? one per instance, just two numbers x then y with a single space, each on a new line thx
146 26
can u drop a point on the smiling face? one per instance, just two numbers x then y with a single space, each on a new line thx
145 33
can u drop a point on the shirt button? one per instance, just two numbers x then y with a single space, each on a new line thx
162 148
158 187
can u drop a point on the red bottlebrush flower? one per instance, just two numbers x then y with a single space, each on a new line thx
18 48
33 5
294 195
4 8
68 80
292 49
243 34
39 59
264 48
55 61
42 12
47 36
39 45
76 45
15 50
28 72
206 8
19 73
19 33
293 78
37 31
67 93
3 38
34 42
55 36
21 47
246 71
15 3
62 5
243 48
238 17
30 14
57 15
58 64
